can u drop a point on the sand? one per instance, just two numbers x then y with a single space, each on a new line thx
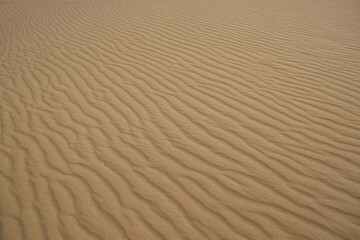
179 119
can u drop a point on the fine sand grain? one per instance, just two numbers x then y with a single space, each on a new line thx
179 119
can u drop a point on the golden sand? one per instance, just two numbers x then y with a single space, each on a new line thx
219 119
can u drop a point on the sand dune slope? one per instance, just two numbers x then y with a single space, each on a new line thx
179 119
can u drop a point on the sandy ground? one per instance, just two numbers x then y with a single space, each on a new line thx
231 119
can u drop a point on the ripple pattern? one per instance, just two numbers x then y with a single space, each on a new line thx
179 119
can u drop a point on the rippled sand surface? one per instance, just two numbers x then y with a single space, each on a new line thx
231 119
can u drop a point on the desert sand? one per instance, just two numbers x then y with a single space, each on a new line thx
219 119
